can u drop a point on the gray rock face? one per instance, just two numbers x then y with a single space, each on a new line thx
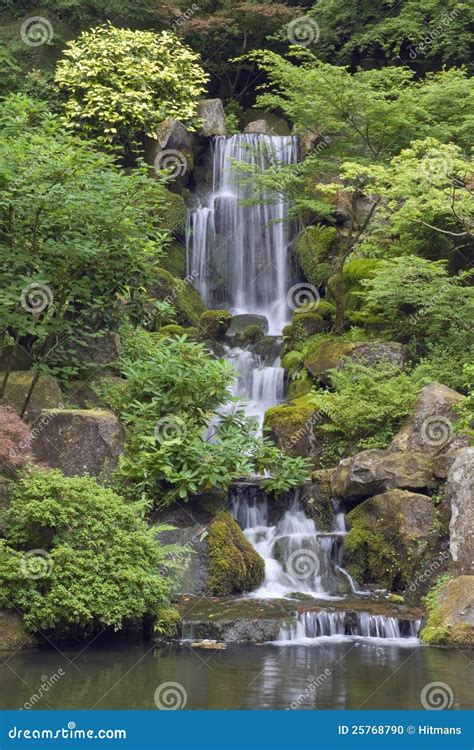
82 441
240 322
99 353
460 493
258 126
430 427
212 114
370 354
46 394
372 471
13 635
171 149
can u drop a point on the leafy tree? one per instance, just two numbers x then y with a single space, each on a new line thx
186 434
120 84
98 563
76 232
431 33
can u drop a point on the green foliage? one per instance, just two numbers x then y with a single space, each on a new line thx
173 390
101 561
313 249
435 631
234 565
368 404
428 34
75 228
120 84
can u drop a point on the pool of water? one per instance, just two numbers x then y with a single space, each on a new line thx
328 674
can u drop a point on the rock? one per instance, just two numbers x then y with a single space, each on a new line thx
180 294
372 471
212 114
391 538
98 353
214 324
172 148
460 493
78 441
260 127
13 635
450 620
241 322
292 427
329 352
372 353
12 358
46 394
430 427
234 565
83 393
274 124
316 499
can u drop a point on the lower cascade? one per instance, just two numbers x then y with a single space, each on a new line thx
325 624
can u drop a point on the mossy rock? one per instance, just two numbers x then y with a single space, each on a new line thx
324 354
166 623
316 498
13 635
185 299
291 426
46 393
450 619
298 388
306 325
234 565
192 332
251 334
214 324
171 330
174 259
173 214
292 361
313 249
391 538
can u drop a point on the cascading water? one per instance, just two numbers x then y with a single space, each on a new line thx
236 251
298 558
309 625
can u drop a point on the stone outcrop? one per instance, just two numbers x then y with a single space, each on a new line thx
430 426
391 537
78 441
370 354
293 427
241 322
212 114
372 471
260 127
46 394
316 499
450 620
98 353
460 494
328 353
13 635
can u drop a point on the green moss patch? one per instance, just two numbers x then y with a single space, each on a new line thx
182 296
313 249
214 324
234 565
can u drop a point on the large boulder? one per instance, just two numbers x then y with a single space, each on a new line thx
46 394
316 499
180 293
450 620
460 494
13 635
330 352
292 427
234 565
430 426
372 471
78 441
391 538
97 353
171 149
211 113
260 127
244 320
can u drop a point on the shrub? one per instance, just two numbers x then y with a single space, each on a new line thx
121 83
99 562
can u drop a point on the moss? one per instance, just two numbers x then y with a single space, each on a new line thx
292 361
290 425
448 605
357 269
313 249
251 334
325 309
325 353
166 623
174 259
234 565
46 393
192 332
171 330
215 323
182 296
299 388
317 499
173 215
306 325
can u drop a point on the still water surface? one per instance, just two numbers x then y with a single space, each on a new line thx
327 675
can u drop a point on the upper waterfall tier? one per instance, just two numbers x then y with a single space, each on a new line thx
239 253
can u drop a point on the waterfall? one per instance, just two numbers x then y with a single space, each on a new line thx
260 386
309 625
238 252
298 558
